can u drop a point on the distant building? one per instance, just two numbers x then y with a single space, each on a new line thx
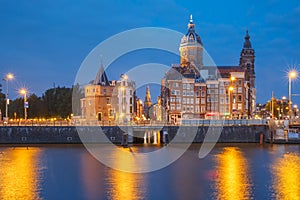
124 100
96 104
139 110
108 101
147 102
155 111
194 91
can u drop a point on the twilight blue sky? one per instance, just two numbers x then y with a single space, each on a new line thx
44 42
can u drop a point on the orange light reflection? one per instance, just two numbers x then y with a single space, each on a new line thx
19 174
286 171
232 180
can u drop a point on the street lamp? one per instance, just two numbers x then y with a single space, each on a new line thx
24 92
292 75
8 77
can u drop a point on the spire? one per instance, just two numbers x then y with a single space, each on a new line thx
147 103
191 25
247 43
101 78
148 96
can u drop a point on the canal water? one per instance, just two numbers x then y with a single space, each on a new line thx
230 171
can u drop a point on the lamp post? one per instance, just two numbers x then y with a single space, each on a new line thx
292 75
8 77
24 92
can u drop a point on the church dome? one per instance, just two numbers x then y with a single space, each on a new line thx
191 35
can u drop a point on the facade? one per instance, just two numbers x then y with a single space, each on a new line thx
96 104
124 100
139 109
107 101
192 90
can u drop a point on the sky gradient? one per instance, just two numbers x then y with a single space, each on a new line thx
44 42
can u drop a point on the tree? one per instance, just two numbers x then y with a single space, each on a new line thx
77 94
58 101
16 106
37 107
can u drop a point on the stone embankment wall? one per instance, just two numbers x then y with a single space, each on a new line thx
69 134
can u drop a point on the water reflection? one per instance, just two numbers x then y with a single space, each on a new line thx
19 174
123 185
286 172
232 180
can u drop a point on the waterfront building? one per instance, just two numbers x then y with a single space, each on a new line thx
155 111
139 109
107 101
96 104
124 100
192 90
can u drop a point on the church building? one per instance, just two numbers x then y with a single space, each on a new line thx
192 90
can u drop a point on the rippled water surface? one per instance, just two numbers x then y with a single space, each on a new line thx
230 171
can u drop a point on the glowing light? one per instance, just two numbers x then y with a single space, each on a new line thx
293 74
9 76
230 88
23 91
232 78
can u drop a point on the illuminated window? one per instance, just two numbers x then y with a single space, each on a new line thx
239 106
172 107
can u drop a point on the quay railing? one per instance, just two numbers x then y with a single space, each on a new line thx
192 122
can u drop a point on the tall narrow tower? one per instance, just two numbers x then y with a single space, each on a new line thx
247 60
191 47
148 102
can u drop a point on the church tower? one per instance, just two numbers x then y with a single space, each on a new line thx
247 60
148 102
191 47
